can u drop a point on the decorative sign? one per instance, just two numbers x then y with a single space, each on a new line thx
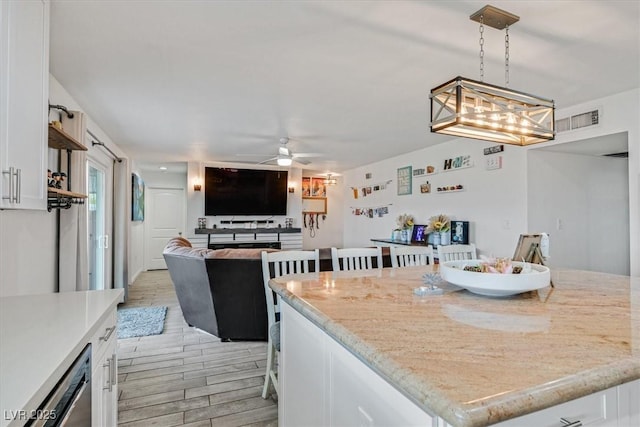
493 150
418 172
459 162
404 180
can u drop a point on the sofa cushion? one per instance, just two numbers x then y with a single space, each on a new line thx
241 253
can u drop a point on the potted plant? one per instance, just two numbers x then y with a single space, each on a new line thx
439 227
405 223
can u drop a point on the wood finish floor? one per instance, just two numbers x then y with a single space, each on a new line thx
186 377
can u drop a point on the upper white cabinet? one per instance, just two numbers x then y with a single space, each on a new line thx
24 88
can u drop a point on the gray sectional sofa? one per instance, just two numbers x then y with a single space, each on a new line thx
219 291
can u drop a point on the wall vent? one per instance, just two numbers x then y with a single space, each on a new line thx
578 121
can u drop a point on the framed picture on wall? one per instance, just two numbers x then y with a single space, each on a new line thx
137 196
306 186
404 180
318 188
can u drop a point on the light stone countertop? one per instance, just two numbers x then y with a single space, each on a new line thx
40 337
476 360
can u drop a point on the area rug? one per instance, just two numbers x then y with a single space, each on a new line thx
141 321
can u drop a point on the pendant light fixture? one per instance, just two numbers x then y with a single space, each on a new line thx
473 109
329 180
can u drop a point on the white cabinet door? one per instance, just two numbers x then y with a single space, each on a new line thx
24 88
360 397
323 384
301 372
104 379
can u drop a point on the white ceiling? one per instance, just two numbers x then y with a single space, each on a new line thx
207 80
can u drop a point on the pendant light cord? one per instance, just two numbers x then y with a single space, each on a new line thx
481 48
506 56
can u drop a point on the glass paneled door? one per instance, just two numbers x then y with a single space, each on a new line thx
96 221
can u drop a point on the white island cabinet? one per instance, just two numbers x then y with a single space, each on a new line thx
24 88
322 384
358 348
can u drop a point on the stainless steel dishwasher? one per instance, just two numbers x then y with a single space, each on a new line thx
69 403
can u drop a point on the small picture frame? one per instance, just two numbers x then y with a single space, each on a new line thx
137 196
404 181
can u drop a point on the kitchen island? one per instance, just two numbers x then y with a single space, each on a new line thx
360 346
41 336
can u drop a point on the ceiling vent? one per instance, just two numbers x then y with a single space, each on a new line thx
578 121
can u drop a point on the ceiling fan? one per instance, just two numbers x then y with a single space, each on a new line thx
285 156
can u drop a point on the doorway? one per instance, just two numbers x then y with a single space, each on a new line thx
99 224
164 219
578 192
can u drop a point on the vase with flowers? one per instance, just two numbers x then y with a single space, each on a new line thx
439 228
405 223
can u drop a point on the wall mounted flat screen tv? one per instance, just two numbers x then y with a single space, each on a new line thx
244 192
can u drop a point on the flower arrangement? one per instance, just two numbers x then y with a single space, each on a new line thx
404 221
438 224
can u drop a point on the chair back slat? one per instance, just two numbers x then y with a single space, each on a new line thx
406 256
276 264
456 252
355 258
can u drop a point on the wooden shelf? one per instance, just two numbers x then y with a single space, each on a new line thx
64 193
63 141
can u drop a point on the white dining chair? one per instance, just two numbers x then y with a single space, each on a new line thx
356 258
456 252
405 256
276 264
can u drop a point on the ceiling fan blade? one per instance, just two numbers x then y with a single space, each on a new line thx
267 161
302 162
253 155
298 155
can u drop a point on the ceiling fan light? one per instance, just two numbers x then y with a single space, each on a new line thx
284 161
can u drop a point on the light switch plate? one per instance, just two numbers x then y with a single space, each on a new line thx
493 162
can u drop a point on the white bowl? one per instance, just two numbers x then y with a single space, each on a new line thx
495 284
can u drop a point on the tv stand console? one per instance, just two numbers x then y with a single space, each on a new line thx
245 245
251 237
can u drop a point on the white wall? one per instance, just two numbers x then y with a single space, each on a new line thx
28 251
583 203
493 201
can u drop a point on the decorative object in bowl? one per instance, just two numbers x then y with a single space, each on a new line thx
532 277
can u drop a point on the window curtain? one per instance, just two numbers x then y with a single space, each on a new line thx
121 188
73 268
